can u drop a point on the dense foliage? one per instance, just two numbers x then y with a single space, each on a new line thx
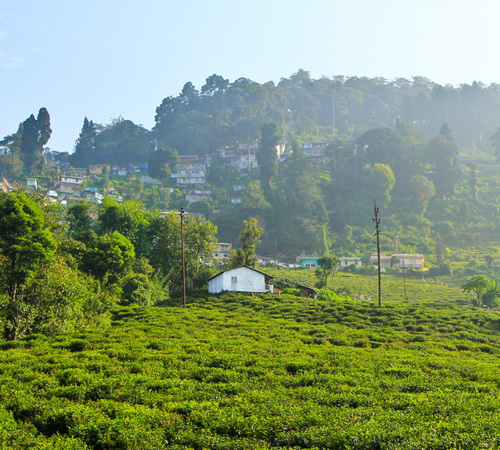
236 372
60 269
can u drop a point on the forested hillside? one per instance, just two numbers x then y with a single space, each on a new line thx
221 112
425 152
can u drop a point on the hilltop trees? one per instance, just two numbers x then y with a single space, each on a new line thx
120 142
26 145
85 151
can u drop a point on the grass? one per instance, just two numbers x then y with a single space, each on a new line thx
242 372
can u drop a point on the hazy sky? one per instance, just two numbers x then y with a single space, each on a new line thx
108 58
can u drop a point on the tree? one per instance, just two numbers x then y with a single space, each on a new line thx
327 267
189 95
43 123
162 163
85 151
10 150
214 84
442 153
128 218
25 246
29 144
123 142
495 141
110 259
267 155
35 135
249 236
79 218
380 145
477 285
379 183
417 195
165 247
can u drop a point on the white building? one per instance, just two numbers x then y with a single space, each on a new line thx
222 252
190 174
349 261
241 279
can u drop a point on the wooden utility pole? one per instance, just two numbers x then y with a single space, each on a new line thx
183 262
377 232
404 280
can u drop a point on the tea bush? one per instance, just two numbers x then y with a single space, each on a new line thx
242 372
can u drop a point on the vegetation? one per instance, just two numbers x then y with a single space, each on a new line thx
60 270
260 372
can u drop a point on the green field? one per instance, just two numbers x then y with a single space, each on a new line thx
242 372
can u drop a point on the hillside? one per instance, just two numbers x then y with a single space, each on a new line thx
239 372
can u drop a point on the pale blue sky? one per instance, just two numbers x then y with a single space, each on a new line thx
108 58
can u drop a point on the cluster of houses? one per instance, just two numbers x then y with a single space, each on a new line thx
241 157
396 260
74 184
253 281
65 189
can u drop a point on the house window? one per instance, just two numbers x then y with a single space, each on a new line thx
234 280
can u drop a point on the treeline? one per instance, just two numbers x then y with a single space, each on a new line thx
65 268
199 121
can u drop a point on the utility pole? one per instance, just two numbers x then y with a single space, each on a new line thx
404 280
377 233
183 262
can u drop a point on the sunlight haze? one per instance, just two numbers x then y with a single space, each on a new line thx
105 59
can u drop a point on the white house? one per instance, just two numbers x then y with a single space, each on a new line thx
241 279
400 260
348 261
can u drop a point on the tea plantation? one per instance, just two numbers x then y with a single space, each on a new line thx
242 372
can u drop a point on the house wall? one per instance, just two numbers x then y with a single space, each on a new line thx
240 279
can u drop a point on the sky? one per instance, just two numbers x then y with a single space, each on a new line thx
103 59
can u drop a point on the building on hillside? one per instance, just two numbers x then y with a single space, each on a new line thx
188 159
240 156
92 195
316 152
98 169
149 180
399 261
222 252
76 171
118 170
241 279
197 196
68 191
139 168
72 179
31 184
52 195
310 262
306 291
408 261
193 173
349 261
